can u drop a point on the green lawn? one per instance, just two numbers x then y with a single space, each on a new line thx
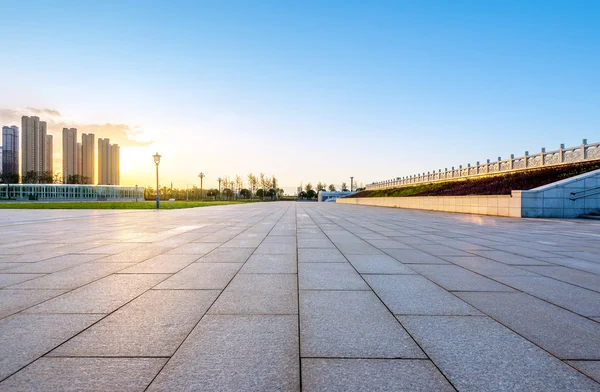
112 205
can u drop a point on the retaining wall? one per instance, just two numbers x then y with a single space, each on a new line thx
562 199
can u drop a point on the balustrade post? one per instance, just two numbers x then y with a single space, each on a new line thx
561 153
487 166
511 162
584 149
526 158
543 156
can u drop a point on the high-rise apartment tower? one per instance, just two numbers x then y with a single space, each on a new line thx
33 145
10 149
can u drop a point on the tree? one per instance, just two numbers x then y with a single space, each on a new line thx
272 193
302 195
46 177
9 178
344 187
245 193
212 193
331 188
79 179
31 177
280 192
239 183
260 193
308 187
320 186
252 182
228 193
310 194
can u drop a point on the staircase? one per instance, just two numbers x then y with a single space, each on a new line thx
591 215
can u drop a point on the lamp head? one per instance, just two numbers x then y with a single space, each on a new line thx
156 158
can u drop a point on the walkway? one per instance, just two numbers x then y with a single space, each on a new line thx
288 296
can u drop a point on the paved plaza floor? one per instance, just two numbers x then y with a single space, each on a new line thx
297 296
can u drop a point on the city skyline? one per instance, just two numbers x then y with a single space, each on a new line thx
309 92
36 154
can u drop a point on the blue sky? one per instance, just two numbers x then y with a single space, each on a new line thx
309 90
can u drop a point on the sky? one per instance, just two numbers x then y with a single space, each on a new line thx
306 91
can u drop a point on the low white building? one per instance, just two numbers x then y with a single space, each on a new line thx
331 196
63 192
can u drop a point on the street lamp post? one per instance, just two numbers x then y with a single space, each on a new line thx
157 161
351 183
201 175
136 192
219 179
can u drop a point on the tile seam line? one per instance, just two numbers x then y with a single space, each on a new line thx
218 296
388 309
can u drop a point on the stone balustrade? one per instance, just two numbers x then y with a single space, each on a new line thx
583 152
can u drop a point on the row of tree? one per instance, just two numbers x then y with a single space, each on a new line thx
33 177
195 193
310 193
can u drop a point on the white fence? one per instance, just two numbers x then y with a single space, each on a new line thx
584 152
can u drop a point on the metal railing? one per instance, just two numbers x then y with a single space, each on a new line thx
585 193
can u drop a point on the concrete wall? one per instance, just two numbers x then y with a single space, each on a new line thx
554 200
485 205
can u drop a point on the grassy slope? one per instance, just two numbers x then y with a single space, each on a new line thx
112 205
497 184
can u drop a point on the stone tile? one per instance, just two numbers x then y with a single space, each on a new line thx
135 331
85 374
371 375
259 294
10 279
13 301
102 296
589 368
202 276
487 267
320 256
388 244
243 243
26 337
583 265
563 333
352 324
414 256
378 264
227 255
576 299
73 277
197 248
235 353
318 243
162 264
7 265
569 275
478 354
455 278
276 248
508 258
413 294
112 248
136 255
55 264
329 276
270 264
440 250
356 246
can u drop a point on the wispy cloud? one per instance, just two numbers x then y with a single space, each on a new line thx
124 135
